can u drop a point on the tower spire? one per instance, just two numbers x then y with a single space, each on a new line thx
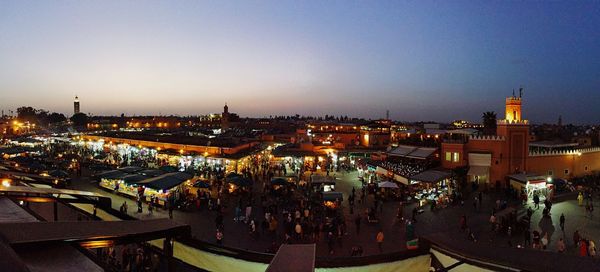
520 91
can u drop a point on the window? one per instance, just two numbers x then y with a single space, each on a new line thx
586 168
455 157
448 156
566 171
550 173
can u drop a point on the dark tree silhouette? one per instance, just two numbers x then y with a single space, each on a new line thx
489 123
79 119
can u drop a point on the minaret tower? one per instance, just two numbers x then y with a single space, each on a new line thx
516 131
225 117
76 109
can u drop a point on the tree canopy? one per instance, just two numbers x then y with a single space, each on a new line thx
79 119
39 116
489 122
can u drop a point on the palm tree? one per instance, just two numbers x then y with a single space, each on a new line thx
489 123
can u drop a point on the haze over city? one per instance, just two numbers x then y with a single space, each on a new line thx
299 136
432 61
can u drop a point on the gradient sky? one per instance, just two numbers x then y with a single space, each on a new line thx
422 60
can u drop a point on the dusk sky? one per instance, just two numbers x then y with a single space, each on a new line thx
422 60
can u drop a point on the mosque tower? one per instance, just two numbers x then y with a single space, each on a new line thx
515 130
225 117
76 108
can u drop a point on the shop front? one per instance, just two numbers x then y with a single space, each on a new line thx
532 185
479 168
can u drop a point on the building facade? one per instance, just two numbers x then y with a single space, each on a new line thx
491 159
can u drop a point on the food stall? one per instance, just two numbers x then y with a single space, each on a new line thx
432 185
110 179
322 183
238 182
332 200
163 186
127 184
197 185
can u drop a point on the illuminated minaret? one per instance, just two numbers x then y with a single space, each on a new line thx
515 130
76 105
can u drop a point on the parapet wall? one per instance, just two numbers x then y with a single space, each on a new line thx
486 138
512 122
564 152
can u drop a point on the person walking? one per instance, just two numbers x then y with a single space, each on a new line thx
545 241
139 205
357 223
414 214
580 199
298 230
150 208
583 248
562 222
591 248
219 237
330 242
527 238
576 238
248 213
493 221
560 246
380 238
536 201
536 239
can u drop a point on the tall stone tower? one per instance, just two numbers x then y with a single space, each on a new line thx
516 131
513 108
225 117
76 108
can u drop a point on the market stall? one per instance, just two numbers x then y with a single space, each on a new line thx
432 186
532 184
332 200
237 183
161 187
110 179
322 183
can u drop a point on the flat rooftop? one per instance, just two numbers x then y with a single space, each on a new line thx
56 257
176 138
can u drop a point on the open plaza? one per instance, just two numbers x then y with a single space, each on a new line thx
353 190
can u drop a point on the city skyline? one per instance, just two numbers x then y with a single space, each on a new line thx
426 61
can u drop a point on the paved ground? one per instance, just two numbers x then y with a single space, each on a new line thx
444 220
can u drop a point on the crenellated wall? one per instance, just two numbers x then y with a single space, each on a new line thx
486 138
565 164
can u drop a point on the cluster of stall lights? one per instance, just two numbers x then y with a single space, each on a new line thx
6 182
97 244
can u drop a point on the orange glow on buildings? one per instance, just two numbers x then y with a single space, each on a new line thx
491 159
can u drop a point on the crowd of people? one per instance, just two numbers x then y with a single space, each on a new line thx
131 258
403 167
